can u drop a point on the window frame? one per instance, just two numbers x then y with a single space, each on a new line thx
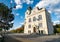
34 18
29 19
29 26
39 17
40 25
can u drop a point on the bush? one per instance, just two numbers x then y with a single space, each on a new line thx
58 30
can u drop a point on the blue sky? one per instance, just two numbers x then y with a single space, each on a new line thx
21 7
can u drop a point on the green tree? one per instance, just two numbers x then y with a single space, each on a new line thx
57 28
0 29
6 17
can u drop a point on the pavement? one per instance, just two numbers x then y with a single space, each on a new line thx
31 38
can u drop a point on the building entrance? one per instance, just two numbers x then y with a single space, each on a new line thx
34 29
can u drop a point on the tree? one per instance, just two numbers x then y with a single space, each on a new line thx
20 30
57 28
6 17
0 29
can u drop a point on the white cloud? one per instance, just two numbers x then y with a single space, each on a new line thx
21 17
20 3
46 3
51 6
57 10
49 11
11 1
28 1
21 23
18 6
56 22
12 22
17 14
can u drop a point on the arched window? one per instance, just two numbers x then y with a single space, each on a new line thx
40 25
40 17
34 18
29 26
29 19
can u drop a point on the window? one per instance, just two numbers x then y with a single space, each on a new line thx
34 18
41 31
40 24
29 26
29 19
39 17
29 31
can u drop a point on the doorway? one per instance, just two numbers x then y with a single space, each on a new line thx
34 29
41 31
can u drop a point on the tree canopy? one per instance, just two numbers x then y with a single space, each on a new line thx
57 26
6 16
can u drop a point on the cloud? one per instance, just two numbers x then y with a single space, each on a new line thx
57 10
28 1
12 22
49 11
51 6
47 3
18 6
11 1
19 3
21 23
57 13
21 17
17 14
56 22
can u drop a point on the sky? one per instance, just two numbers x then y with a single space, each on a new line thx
52 6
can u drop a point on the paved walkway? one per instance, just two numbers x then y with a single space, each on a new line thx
32 38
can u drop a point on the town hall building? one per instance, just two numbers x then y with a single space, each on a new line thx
38 20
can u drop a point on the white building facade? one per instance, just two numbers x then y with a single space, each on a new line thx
38 21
